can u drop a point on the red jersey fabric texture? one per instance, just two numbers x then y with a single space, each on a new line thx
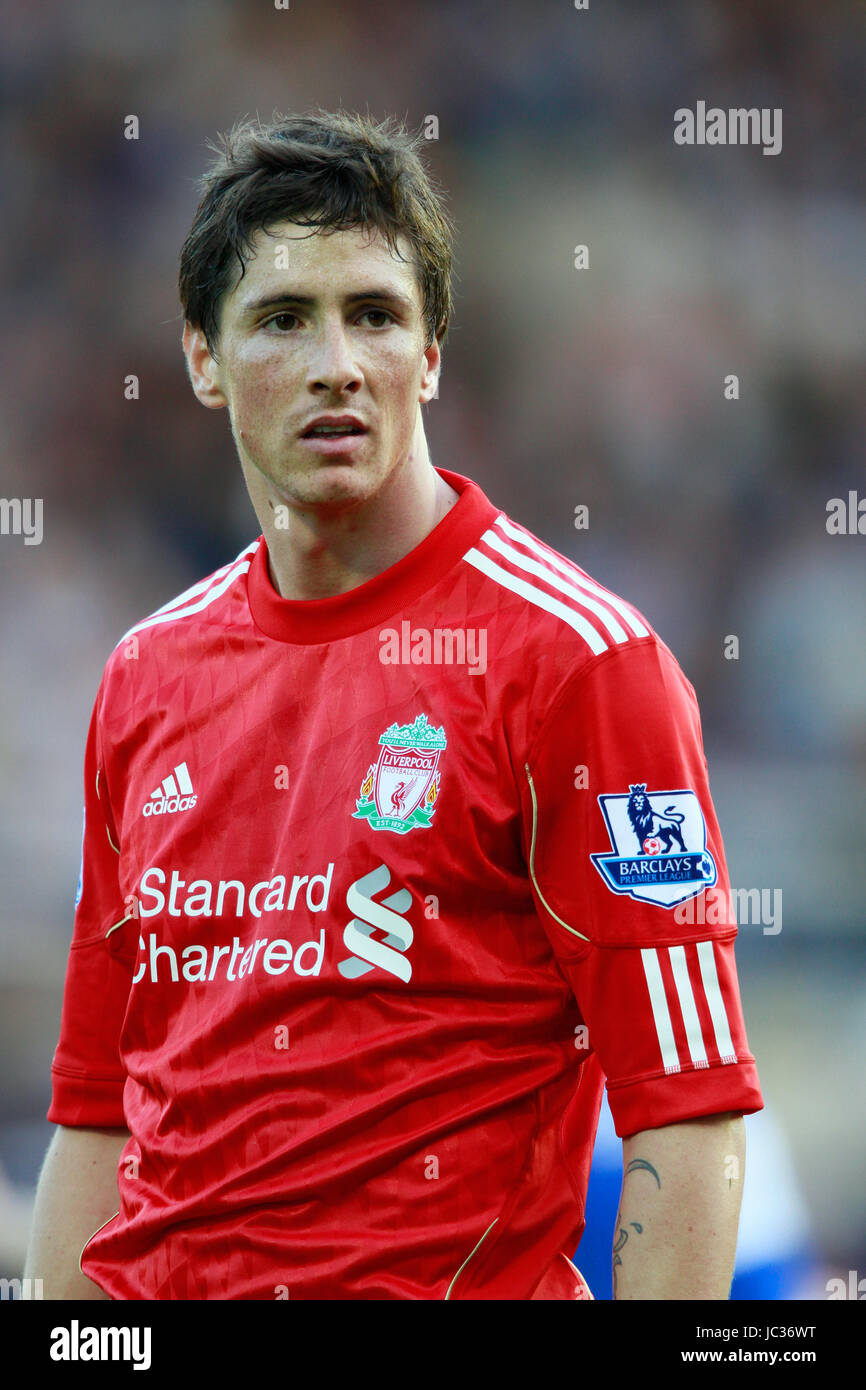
342 962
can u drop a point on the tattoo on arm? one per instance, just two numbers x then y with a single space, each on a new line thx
621 1240
638 1163
622 1234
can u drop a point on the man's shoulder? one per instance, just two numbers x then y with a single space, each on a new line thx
202 602
552 610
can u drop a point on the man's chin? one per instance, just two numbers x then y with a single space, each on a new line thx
333 483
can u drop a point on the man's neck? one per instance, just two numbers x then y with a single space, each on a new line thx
319 556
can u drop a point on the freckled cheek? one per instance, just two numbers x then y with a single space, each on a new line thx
396 385
261 404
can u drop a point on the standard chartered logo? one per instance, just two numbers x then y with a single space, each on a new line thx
388 954
177 960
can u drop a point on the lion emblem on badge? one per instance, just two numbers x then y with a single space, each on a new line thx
648 825
662 871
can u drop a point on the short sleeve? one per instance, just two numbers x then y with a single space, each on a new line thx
628 871
87 1074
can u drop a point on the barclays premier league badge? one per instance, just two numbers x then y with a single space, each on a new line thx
659 844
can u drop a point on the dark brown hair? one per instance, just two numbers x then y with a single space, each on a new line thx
333 170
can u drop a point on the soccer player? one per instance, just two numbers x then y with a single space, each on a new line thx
398 835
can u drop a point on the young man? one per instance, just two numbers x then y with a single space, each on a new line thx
387 824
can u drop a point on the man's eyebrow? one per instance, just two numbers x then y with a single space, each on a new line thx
380 293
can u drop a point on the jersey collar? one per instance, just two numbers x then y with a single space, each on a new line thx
310 621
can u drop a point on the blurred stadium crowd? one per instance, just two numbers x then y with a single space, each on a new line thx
561 387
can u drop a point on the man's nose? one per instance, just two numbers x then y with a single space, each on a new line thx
332 360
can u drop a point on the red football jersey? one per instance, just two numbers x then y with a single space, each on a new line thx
376 891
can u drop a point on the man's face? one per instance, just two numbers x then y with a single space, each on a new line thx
318 324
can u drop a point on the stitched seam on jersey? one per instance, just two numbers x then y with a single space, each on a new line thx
468 1258
729 934
575 677
85 1075
687 1069
548 909
128 918
79 943
92 1237
108 800
525 1168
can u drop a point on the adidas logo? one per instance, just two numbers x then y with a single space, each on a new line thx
175 794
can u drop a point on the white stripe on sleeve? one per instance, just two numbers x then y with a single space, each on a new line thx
583 581
694 1036
593 639
718 1012
661 1016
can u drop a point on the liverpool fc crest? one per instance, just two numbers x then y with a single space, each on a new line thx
401 788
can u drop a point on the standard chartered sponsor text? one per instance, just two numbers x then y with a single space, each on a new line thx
163 893
206 898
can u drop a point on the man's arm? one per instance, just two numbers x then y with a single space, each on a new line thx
77 1193
676 1230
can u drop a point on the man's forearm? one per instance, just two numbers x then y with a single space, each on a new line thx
676 1229
77 1193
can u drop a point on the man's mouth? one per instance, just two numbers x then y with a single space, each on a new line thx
337 438
333 429
328 431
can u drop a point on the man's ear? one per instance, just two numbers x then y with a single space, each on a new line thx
432 368
203 369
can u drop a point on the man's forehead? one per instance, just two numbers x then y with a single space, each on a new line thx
315 262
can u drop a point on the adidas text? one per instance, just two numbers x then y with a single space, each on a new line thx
168 804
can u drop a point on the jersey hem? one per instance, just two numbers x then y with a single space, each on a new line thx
669 1099
86 1101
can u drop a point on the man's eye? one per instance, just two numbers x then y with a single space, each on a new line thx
280 320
